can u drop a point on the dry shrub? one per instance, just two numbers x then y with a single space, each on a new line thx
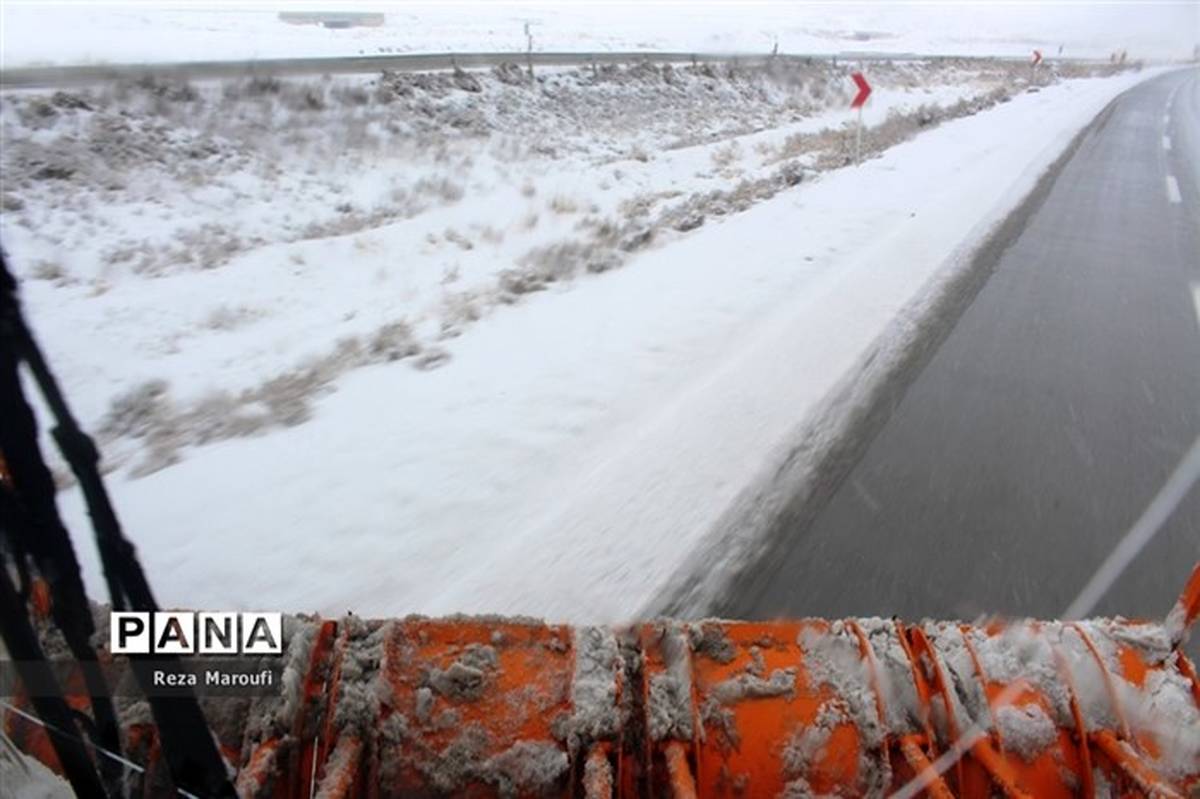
49 270
431 358
350 95
565 260
510 74
514 282
224 317
138 411
466 81
459 310
286 397
491 235
723 157
146 412
257 86
563 205
454 237
303 98
442 188
392 342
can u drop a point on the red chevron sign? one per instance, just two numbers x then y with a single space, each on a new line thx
864 90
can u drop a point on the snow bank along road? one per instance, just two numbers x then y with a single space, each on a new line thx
1047 420
583 444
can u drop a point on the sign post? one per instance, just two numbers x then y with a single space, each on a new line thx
860 99
858 139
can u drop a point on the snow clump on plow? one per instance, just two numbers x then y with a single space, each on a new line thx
517 707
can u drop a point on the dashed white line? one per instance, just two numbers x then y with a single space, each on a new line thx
1170 103
1173 190
1167 143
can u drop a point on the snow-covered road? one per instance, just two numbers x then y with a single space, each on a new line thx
582 443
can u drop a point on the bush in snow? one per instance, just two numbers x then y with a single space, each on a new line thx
563 205
459 310
163 451
219 416
723 157
49 270
303 98
138 411
454 237
519 281
392 342
225 318
466 81
286 397
510 74
431 358
565 260
441 188
350 95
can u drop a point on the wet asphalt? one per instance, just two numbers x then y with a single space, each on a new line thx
1037 433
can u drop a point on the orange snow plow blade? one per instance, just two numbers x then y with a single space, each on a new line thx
487 707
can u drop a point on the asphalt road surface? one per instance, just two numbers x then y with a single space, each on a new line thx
1047 420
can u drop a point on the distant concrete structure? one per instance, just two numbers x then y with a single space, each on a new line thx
333 19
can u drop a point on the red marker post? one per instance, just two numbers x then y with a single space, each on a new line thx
1037 58
860 99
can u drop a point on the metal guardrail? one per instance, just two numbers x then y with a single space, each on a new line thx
84 74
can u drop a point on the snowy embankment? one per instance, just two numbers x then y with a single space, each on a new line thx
617 338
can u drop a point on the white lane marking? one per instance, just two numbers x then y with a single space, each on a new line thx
1173 190
1196 300
1167 143
1170 104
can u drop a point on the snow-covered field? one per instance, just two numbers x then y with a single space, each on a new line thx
65 32
460 342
